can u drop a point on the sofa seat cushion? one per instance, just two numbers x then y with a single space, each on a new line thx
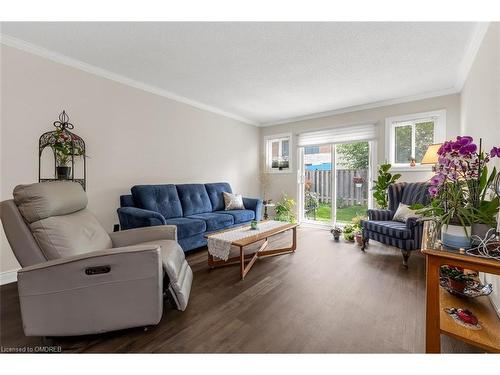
215 221
389 228
239 216
187 227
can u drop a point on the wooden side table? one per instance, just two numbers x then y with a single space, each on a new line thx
438 321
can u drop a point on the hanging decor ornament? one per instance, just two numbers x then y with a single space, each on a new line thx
67 149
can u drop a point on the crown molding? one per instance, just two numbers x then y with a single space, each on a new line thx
361 107
471 53
92 69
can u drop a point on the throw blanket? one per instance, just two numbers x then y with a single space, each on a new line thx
219 245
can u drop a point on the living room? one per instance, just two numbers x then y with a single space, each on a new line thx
243 187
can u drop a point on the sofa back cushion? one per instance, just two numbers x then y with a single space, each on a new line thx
66 235
160 198
416 192
45 199
216 194
395 193
194 199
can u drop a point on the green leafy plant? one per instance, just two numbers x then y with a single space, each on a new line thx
351 230
460 187
64 148
284 209
455 273
381 184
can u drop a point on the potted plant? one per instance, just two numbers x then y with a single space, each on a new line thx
284 209
381 184
456 277
64 150
358 236
349 233
459 191
336 232
358 181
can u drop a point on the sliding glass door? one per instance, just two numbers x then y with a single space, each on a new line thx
352 180
335 182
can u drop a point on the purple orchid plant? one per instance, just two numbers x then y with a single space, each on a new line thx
461 183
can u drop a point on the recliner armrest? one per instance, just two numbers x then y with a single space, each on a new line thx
254 204
133 217
136 236
380 215
93 292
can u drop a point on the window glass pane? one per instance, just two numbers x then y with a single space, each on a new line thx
402 142
424 136
275 146
284 148
311 150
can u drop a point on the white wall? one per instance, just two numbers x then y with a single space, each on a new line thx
281 183
480 105
132 137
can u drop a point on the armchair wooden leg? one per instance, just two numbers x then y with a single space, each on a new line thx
406 255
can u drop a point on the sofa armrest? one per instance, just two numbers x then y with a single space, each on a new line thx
133 217
380 215
136 236
413 222
254 204
93 292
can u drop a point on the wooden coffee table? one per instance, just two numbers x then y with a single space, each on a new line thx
246 261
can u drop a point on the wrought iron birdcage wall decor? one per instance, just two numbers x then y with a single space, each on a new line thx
66 147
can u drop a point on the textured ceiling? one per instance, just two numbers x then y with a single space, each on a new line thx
267 72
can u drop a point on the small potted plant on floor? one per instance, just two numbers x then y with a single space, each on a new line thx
336 232
358 236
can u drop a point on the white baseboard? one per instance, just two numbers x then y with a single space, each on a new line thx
8 277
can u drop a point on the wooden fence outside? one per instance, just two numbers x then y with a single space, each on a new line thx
348 194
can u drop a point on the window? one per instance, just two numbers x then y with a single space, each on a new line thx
278 150
409 136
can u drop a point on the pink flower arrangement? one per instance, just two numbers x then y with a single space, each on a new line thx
459 160
460 187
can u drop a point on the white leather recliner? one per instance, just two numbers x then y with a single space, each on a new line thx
77 279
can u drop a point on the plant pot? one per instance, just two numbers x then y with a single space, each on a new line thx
359 239
63 173
456 285
479 230
456 236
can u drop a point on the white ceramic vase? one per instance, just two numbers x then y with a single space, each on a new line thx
456 236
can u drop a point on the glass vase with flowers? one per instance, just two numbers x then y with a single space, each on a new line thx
460 190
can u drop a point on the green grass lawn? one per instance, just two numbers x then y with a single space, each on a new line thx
344 215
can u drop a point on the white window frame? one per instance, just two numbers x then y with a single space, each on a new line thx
391 123
268 141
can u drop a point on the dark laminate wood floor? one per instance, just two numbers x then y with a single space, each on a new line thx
328 297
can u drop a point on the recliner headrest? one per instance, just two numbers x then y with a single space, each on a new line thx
45 199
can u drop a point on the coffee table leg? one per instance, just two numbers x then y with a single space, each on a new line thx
242 263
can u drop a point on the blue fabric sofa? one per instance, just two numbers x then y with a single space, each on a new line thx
405 236
196 209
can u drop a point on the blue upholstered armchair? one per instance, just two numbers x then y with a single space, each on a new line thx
405 236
